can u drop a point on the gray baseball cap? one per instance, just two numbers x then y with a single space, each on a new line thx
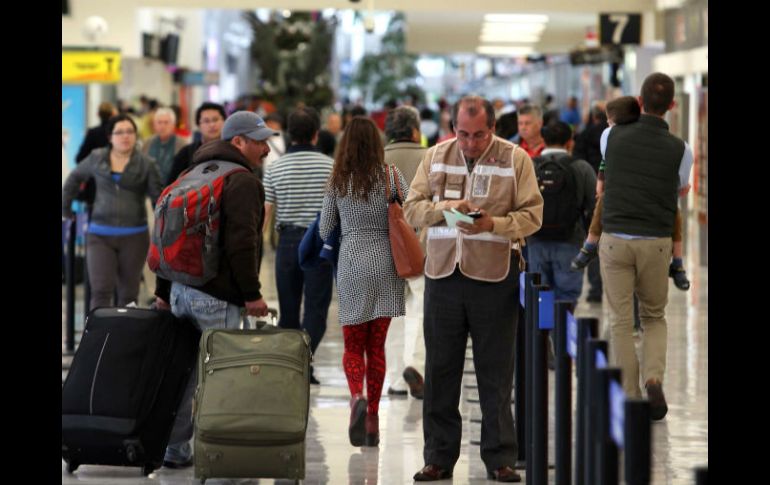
246 123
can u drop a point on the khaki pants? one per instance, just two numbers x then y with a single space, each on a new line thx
636 266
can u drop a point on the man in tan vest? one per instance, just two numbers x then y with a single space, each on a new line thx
471 282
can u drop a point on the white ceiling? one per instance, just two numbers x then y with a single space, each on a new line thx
451 26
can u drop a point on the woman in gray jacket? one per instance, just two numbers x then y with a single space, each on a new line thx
118 238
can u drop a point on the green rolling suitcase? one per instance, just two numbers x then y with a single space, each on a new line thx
251 403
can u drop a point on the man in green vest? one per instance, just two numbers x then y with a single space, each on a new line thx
647 167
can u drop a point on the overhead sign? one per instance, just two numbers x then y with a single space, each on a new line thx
620 28
598 55
89 65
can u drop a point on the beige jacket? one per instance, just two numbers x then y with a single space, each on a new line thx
503 183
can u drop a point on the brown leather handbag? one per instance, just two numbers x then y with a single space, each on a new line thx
404 245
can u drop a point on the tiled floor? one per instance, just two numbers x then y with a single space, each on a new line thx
680 441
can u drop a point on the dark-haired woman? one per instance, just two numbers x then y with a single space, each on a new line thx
118 238
370 292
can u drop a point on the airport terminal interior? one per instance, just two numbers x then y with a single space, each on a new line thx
183 53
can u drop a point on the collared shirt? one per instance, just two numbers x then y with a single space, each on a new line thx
535 151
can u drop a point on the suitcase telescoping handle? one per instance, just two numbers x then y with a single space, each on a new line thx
272 313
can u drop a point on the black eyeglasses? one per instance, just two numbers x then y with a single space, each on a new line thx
127 132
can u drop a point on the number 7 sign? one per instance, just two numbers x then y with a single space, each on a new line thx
620 28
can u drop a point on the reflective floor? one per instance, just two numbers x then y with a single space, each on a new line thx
680 441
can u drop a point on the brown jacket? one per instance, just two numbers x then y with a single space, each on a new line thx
502 182
243 207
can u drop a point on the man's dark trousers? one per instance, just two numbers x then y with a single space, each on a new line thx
292 282
455 307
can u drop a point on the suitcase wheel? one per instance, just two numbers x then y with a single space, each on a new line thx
72 466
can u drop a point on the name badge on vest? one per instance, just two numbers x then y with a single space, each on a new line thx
453 192
481 185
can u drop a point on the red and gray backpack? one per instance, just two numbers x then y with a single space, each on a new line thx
185 241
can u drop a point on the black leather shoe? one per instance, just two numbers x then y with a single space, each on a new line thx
177 465
397 392
658 406
431 473
415 382
594 298
679 275
504 474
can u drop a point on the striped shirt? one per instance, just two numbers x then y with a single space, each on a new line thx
296 184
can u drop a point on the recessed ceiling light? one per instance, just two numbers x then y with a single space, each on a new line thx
514 17
504 50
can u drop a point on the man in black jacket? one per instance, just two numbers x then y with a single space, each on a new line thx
97 137
220 301
210 118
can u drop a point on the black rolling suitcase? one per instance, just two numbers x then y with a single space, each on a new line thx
124 387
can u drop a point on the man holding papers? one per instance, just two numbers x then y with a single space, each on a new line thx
471 282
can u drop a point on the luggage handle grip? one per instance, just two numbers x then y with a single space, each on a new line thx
260 324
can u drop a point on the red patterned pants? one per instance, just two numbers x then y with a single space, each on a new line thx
369 338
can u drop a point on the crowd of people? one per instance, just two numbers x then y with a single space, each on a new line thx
534 175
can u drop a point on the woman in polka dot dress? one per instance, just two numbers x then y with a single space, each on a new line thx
370 292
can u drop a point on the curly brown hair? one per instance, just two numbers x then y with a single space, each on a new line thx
360 160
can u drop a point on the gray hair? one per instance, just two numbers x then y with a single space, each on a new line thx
165 111
531 109
401 121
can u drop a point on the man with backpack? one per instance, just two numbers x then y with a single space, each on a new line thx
209 250
568 187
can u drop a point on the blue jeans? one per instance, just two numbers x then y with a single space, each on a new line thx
552 260
207 312
292 282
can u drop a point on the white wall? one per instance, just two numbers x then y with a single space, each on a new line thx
121 21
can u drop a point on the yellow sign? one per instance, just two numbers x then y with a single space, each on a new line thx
83 66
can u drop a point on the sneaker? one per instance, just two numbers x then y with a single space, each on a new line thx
658 406
679 275
583 258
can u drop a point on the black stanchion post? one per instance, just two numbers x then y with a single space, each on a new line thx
70 281
636 442
587 328
563 397
519 395
530 280
606 449
591 425
701 476
539 456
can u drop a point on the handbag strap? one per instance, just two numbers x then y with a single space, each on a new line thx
391 182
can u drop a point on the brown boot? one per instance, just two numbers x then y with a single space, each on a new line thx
372 430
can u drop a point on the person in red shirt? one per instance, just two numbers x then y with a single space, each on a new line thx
530 124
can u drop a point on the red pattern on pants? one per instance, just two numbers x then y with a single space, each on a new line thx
368 337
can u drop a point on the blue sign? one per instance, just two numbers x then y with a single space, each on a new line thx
521 288
601 360
545 310
73 124
572 336
617 412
